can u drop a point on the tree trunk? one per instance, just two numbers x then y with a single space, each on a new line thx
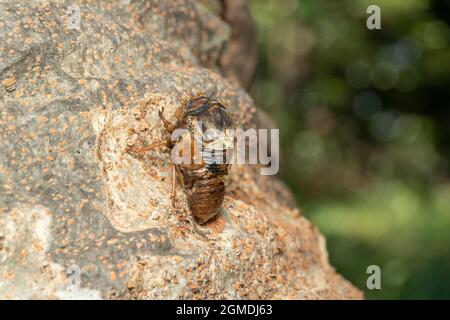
82 218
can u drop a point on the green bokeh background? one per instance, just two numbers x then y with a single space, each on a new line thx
365 127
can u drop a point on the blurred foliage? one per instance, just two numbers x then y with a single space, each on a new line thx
365 128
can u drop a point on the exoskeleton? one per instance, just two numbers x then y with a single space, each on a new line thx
200 132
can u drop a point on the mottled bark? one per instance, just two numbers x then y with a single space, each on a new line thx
72 199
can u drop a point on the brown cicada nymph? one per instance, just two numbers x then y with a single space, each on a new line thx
202 176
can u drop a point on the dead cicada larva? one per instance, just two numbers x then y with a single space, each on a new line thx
201 180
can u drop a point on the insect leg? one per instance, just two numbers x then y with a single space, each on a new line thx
149 147
189 93
174 185
167 125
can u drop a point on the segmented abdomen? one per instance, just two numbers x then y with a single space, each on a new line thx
206 197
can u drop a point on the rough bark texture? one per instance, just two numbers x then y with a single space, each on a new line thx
72 199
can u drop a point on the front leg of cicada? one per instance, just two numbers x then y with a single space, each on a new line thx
143 150
170 128
166 142
167 125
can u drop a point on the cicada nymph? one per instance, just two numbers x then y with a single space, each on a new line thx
202 135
